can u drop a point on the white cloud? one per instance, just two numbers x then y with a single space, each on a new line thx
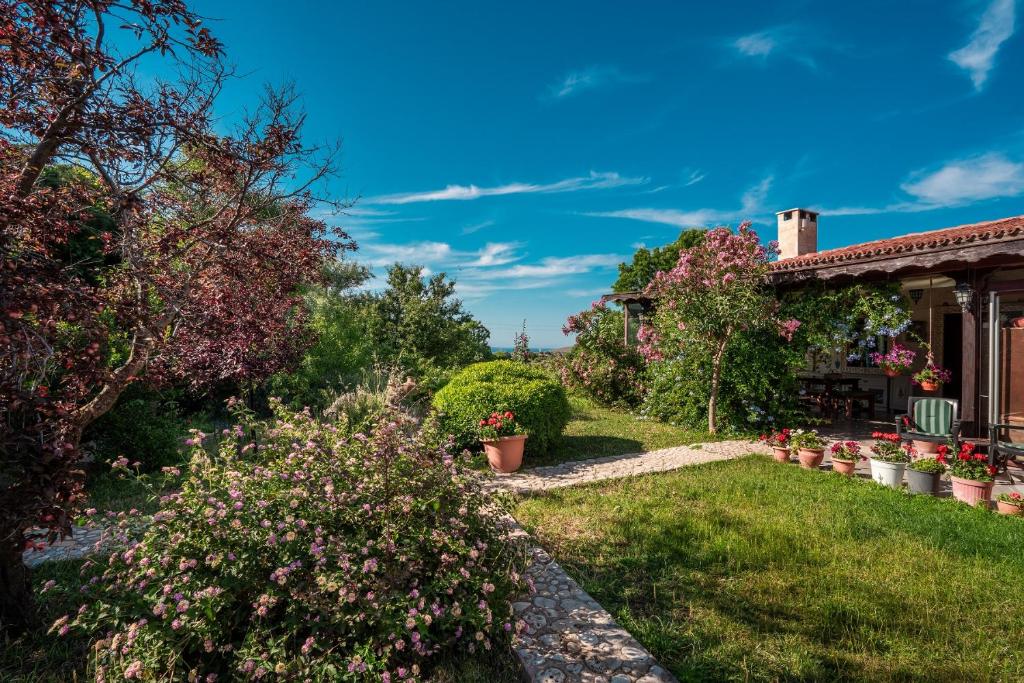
590 78
751 203
476 227
555 266
413 252
978 56
497 254
959 182
593 181
758 44
967 181
695 177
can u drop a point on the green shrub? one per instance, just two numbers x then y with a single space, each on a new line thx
312 556
537 399
142 427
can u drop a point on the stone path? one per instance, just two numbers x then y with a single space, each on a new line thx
618 466
85 540
570 638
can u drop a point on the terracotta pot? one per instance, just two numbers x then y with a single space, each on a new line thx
1005 508
923 482
972 492
892 372
926 447
780 454
846 467
1017 322
505 454
929 386
888 473
810 458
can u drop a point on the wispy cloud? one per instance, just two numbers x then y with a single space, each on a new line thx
694 178
555 266
497 254
752 203
995 26
476 227
959 182
590 78
593 181
787 41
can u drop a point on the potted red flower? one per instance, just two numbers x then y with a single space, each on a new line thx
810 448
895 362
845 455
972 476
779 441
889 459
1011 503
931 377
503 441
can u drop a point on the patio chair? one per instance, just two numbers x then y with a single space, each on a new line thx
1001 451
930 419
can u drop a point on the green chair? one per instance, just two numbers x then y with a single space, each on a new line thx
1000 449
930 419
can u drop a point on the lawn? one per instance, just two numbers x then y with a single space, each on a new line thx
749 570
595 431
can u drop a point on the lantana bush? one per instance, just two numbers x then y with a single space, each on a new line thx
298 552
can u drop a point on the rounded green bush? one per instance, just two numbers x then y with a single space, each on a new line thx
537 399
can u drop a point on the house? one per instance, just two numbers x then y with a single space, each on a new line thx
966 285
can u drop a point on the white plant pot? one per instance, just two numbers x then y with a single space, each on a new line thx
888 473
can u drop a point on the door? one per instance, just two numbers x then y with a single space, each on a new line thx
1005 360
953 353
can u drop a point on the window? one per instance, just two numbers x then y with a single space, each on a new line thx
787 216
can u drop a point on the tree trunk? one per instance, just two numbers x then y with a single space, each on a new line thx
17 608
716 376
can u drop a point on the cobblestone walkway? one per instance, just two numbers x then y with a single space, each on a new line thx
84 541
617 466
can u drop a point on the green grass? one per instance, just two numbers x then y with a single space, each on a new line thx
747 570
595 432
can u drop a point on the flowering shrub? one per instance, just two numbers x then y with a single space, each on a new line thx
1012 498
499 425
807 439
969 465
898 359
600 364
536 398
932 373
777 439
846 450
716 292
296 553
888 447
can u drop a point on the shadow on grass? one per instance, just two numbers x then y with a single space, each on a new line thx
585 448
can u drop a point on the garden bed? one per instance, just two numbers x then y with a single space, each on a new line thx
747 570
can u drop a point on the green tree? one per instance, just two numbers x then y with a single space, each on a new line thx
420 325
636 275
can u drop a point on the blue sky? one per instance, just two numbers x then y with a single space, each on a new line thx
526 148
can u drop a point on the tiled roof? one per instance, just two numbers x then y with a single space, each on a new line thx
904 245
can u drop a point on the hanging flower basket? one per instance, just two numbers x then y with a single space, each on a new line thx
896 361
931 377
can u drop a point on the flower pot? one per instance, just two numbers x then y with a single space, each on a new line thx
505 454
888 473
972 492
926 447
846 467
892 372
930 386
923 482
1017 322
1005 508
810 458
780 454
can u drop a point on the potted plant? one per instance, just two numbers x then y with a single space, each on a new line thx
810 447
896 361
503 441
1010 503
779 441
923 475
845 455
931 377
889 459
972 476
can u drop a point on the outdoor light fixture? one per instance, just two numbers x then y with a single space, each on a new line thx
964 294
916 294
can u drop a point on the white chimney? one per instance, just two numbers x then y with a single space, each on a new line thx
798 232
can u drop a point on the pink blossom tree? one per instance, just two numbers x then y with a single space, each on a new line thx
716 290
